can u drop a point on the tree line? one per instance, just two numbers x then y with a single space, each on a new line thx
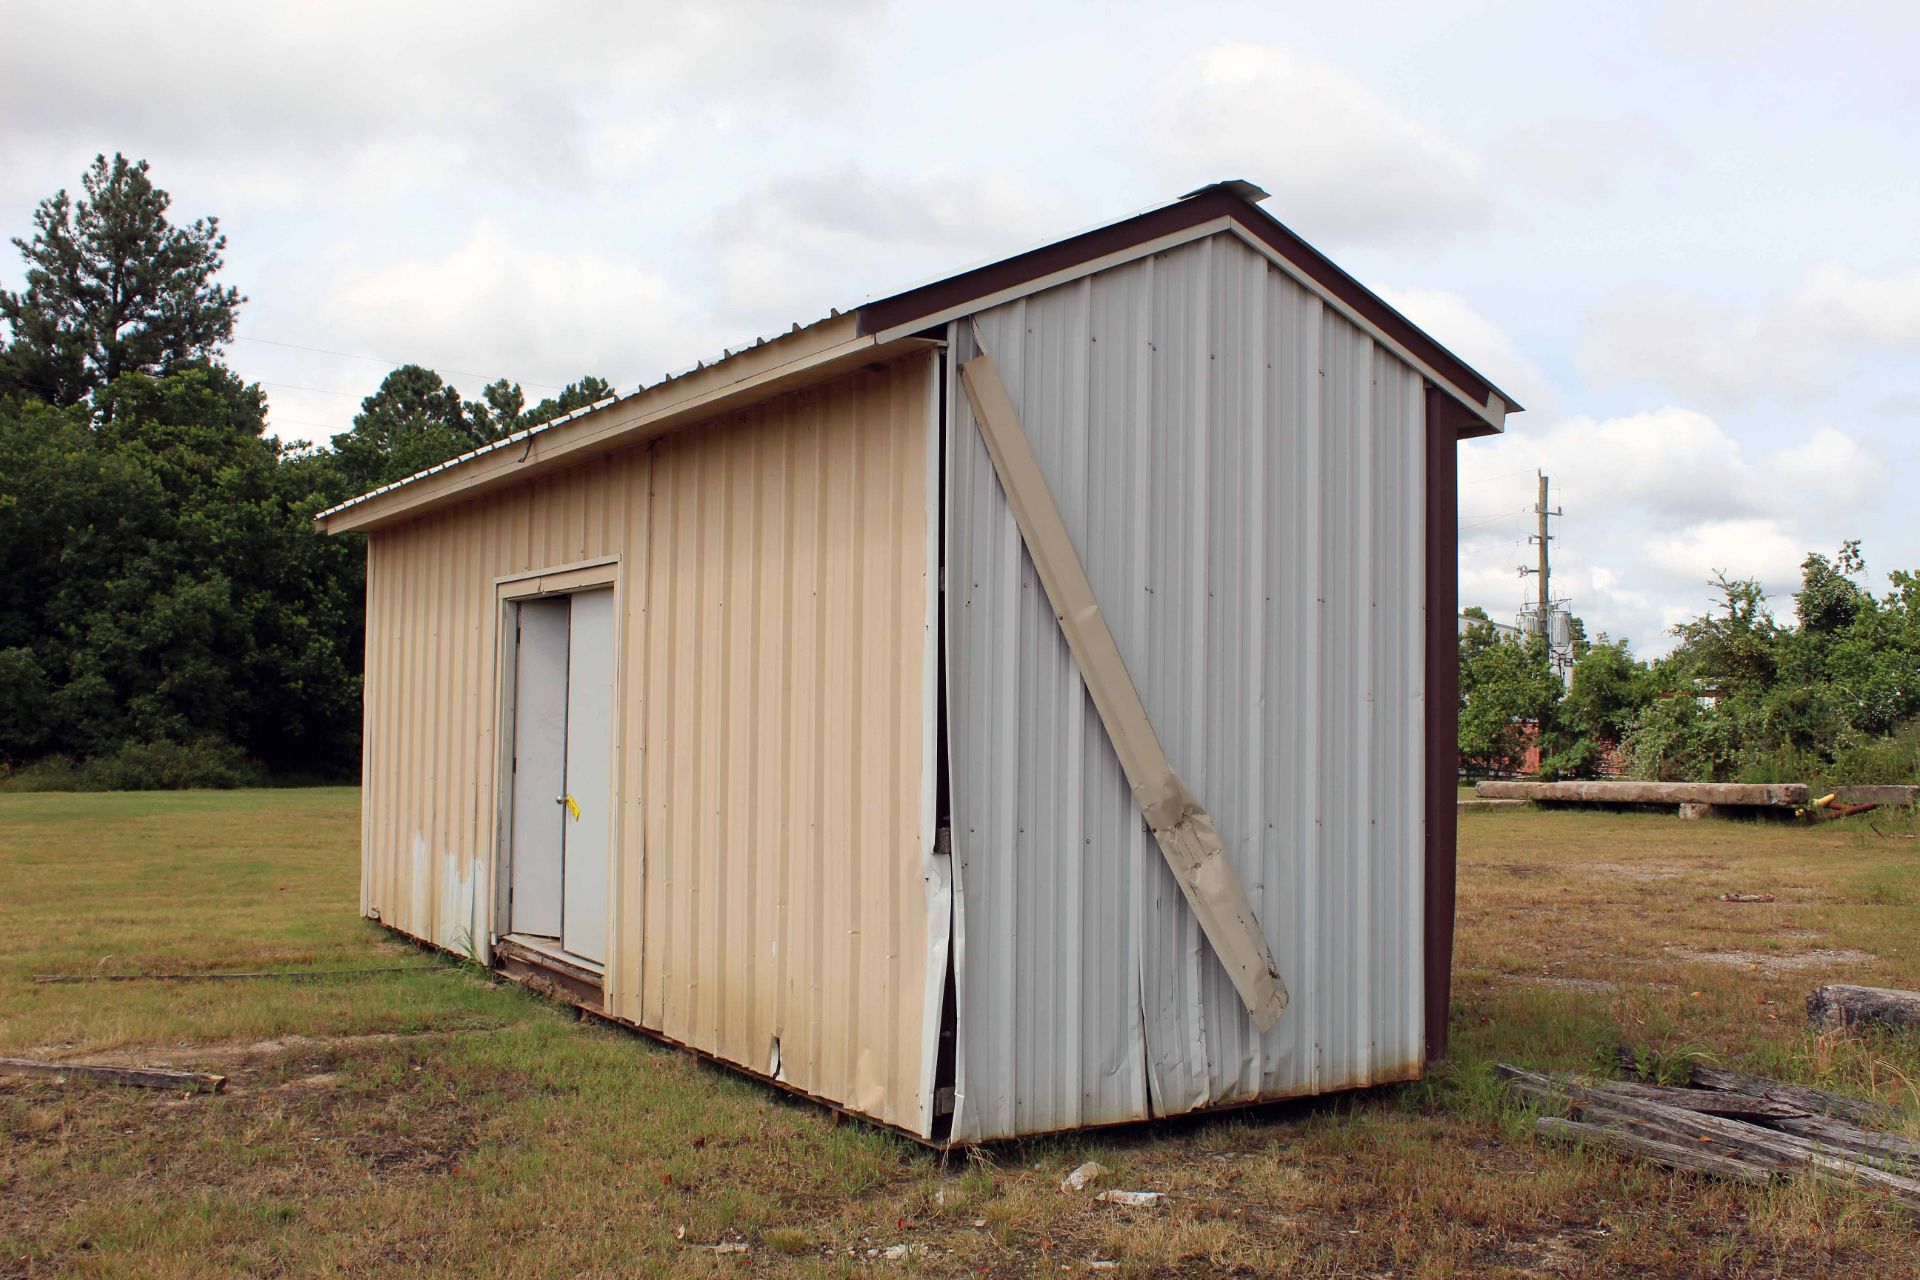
169 615
1831 696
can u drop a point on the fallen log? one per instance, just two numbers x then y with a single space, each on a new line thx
1841 1006
1815 1101
1657 1120
1770 795
1674 1156
1737 1106
1839 1136
139 1077
1765 1150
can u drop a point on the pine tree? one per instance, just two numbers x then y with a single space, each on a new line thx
113 287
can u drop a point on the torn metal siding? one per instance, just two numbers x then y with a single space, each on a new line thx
772 851
1241 471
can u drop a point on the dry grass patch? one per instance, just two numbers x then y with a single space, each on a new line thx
434 1122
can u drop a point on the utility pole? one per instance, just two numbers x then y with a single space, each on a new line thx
1543 538
1543 608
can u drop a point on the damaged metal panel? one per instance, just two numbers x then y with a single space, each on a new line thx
1180 823
1243 471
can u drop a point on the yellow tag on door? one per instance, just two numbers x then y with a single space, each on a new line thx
573 807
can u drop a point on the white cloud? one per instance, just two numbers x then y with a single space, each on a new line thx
494 302
1830 471
1477 340
1703 350
326 89
1794 345
1762 547
1656 503
801 243
1844 304
1654 463
1581 159
1343 165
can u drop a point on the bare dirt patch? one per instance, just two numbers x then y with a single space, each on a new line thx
1643 871
235 1053
1553 982
1519 869
1773 962
302 1129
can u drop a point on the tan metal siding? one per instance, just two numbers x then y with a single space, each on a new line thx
771 851
786 613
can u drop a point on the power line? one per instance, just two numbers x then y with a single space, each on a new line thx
1473 522
294 386
391 364
1490 479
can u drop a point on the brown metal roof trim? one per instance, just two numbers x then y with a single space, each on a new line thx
1222 199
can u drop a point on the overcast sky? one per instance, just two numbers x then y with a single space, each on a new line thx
1686 235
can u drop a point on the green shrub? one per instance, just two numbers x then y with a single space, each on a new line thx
1879 760
142 766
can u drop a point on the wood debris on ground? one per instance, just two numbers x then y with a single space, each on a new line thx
139 1077
1728 1125
1843 1006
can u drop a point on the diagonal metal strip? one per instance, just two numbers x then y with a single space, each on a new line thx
1180 823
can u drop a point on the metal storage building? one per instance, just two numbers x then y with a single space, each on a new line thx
1020 703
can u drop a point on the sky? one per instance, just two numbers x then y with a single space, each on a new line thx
1686 236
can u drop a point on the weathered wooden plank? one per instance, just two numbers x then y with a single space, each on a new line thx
1816 1101
140 1077
1770 795
1659 1121
1841 1006
1739 1106
1843 1138
1692 1159
1750 1143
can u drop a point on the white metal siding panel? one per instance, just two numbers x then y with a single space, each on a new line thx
1241 470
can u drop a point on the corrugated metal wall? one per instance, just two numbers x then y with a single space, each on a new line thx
773 760
1241 471
787 616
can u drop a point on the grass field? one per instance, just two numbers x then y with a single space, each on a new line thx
433 1121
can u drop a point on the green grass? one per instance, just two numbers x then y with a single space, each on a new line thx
438 1121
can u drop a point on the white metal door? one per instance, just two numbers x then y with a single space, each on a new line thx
589 779
539 766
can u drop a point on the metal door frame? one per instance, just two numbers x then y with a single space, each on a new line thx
509 592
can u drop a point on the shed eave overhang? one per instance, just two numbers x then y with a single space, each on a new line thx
803 358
